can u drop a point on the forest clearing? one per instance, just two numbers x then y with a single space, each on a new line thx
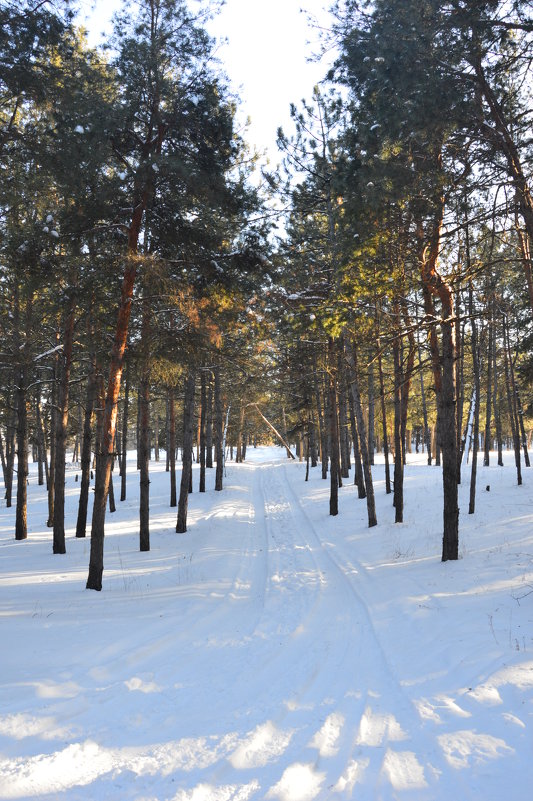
273 652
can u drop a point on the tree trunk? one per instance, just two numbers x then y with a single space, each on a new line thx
65 364
81 523
203 410
371 415
384 422
125 421
53 437
511 404
334 454
103 474
172 446
444 377
219 447
358 409
186 471
21 515
477 390
209 423
488 437
398 449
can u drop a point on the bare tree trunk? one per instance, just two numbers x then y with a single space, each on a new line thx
477 390
384 422
144 424
209 423
172 446
65 364
398 449
358 409
125 420
203 401
488 438
219 447
81 523
52 437
186 471
444 376
511 404
334 470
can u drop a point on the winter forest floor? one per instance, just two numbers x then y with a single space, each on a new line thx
273 652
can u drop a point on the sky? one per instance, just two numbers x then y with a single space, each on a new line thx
266 57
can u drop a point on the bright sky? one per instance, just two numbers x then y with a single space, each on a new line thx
265 58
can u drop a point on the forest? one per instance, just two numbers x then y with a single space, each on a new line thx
373 295
296 398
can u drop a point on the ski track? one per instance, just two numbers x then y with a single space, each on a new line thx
265 680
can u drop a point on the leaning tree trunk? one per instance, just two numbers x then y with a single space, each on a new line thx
65 363
186 471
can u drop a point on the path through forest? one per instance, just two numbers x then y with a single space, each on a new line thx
272 652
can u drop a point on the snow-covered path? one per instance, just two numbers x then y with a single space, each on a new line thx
272 652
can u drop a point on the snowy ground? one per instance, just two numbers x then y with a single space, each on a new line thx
273 652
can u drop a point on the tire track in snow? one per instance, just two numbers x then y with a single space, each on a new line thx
394 719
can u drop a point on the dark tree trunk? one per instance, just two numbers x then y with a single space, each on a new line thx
203 410
358 409
186 471
53 438
81 523
172 446
511 404
144 453
320 417
488 436
65 364
333 435
371 415
444 377
219 447
144 449
209 423
384 422
10 453
344 439
21 515
496 396
358 466
41 445
477 390
125 421
21 398
398 449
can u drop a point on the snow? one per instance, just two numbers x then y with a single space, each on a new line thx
272 652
